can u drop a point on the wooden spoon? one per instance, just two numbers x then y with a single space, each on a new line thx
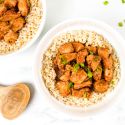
13 100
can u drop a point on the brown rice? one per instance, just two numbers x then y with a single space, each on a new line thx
48 73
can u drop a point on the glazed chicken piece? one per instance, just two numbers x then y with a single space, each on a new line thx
93 61
58 62
63 88
68 67
78 46
108 74
78 77
83 84
4 27
101 86
17 24
66 48
92 49
10 3
103 52
65 76
108 62
23 7
69 57
10 15
1 35
89 59
3 9
97 74
11 37
85 92
58 72
81 56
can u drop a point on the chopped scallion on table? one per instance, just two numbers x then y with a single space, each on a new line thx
120 24
105 3
123 1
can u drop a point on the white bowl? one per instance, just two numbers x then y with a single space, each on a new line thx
86 24
36 36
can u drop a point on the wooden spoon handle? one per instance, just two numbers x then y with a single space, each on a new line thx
15 101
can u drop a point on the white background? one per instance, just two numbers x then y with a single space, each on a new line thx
19 68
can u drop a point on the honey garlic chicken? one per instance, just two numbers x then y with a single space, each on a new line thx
82 69
3 9
23 7
12 19
10 3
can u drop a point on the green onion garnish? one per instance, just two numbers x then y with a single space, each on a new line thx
89 74
120 24
106 3
123 1
82 65
63 60
91 53
76 67
71 84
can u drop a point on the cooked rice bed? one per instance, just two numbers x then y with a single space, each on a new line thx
48 73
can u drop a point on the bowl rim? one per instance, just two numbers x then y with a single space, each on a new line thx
36 36
39 53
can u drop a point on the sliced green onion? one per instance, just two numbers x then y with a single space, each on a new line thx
71 84
76 67
123 1
89 74
106 3
85 68
63 60
120 24
91 53
82 65
96 58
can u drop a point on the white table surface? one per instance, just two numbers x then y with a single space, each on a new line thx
19 68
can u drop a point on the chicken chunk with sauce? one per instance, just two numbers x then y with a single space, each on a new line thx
108 74
9 15
3 9
103 52
78 46
85 93
92 49
11 37
81 56
63 88
83 84
4 27
79 76
97 74
18 24
10 3
66 48
101 86
23 7
93 61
